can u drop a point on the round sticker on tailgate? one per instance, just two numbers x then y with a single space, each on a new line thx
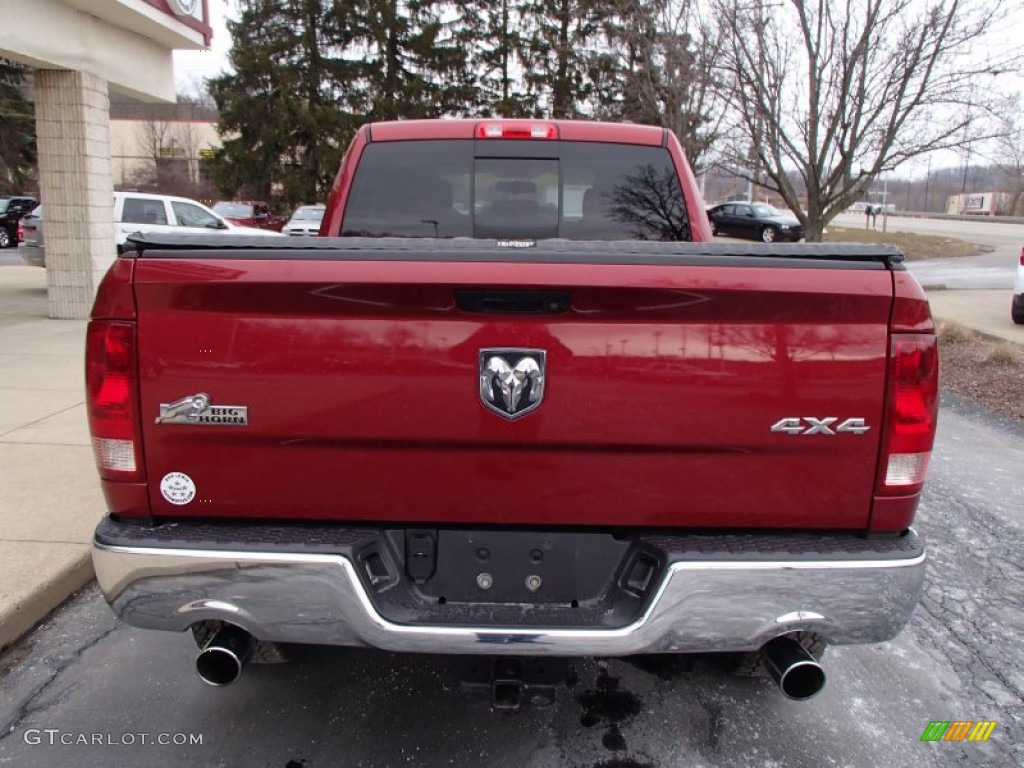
178 488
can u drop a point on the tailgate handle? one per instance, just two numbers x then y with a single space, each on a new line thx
514 302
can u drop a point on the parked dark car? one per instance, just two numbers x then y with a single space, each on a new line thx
11 211
755 220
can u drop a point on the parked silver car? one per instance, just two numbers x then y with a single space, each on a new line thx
305 221
31 247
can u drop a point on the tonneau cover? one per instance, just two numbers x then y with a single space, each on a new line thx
469 249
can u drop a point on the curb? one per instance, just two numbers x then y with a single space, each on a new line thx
993 337
19 621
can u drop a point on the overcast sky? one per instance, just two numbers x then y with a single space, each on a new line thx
195 66
192 67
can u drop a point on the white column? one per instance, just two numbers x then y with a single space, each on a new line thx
73 133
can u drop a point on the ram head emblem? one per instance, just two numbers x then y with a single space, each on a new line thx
512 380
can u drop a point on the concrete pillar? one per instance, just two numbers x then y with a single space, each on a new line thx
73 133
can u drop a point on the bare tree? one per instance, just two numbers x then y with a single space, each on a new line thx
663 65
651 204
188 139
169 148
197 93
153 136
841 92
1007 157
166 162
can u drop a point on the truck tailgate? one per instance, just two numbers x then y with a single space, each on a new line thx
361 377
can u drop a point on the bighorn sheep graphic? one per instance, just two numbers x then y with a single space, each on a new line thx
511 381
184 410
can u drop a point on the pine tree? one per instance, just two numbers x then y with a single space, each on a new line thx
18 137
559 49
414 63
491 33
289 109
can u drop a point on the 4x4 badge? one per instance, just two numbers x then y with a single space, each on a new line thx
196 409
512 380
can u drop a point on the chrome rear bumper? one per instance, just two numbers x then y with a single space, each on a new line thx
700 605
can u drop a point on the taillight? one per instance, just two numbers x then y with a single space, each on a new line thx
111 377
1022 257
21 233
514 130
913 400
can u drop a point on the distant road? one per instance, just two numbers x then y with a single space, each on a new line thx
995 270
982 231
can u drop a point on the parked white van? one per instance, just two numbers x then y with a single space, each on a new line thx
145 213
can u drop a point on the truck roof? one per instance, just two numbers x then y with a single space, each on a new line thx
566 130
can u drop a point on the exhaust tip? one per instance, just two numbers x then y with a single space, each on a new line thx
221 661
802 681
797 673
218 666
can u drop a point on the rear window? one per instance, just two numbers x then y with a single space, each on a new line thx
139 210
590 191
308 214
237 210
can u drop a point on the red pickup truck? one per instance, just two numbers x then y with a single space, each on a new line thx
250 213
514 404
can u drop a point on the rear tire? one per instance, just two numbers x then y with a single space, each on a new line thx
5 238
1017 312
769 235
714 228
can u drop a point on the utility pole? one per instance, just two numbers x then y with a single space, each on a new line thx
927 182
967 143
885 201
